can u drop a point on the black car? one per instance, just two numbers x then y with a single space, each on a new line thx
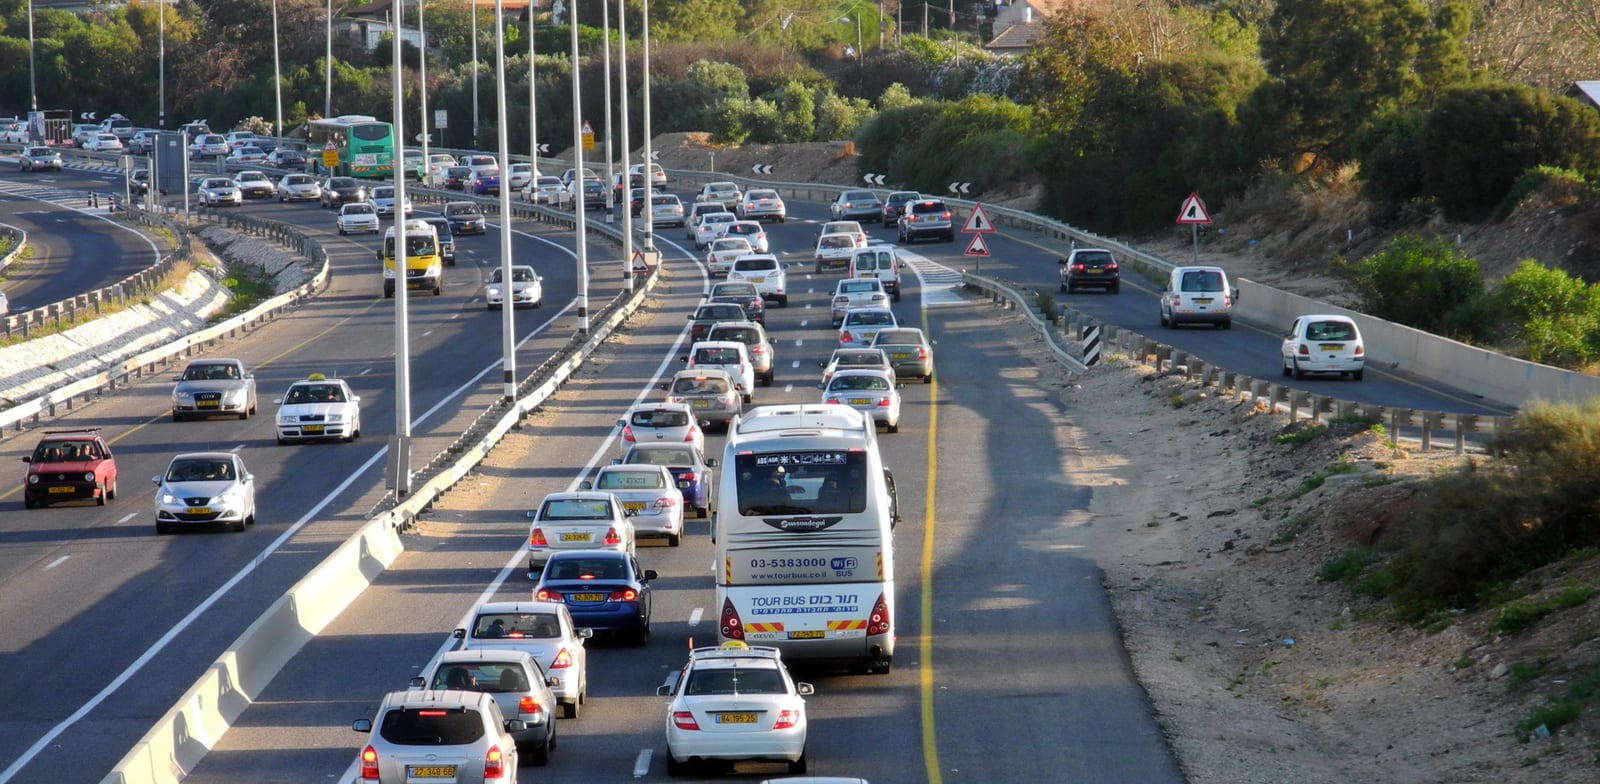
706 316
894 204
744 295
343 190
289 160
456 177
1093 267
447 238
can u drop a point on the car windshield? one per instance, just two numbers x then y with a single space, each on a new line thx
858 286
1201 280
1330 330
836 241
869 317
893 338
716 356
219 183
700 386
210 372
489 677
744 335
734 290
860 358
544 626
518 275
737 243
629 480
460 209
576 509
383 193
586 568
659 418
756 265
358 209
298 179
744 228
65 451
315 393
200 470
734 680
867 383
720 313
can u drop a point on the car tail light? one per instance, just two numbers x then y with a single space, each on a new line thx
838 301
922 353
878 622
758 350
547 595
946 215
883 403
612 537
494 764
665 503
1359 350
787 719
687 476
536 538
627 434
755 303
910 217
369 763
562 661
694 430
624 595
529 705
675 398
1305 351
684 720
732 628
1077 266
833 401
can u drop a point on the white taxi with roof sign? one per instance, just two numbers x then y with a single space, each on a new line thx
318 408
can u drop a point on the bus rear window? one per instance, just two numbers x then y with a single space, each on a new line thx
792 483
370 133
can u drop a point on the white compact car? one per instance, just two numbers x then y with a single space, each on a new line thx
861 325
205 488
1324 344
752 231
577 521
852 293
720 256
543 630
383 201
527 288
438 735
516 682
649 494
735 702
730 356
711 227
873 392
220 192
357 218
766 272
651 423
318 408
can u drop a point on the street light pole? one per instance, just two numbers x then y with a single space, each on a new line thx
578 209
508 332
400 443
474 144
33 84
627 207
422 62
161 62
327 98
533 105
649 151
611 176
277 77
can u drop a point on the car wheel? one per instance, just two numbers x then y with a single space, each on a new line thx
162 528
880 666
766 380
896 296
893 427
1298 373
570 710
783 301
1116 288
111 490
1357 375
239 527
539 754
177 417
1161 316
1226 324
674 767
1284 366
29 503
641 637
747 398
341 231
928 379
819 269
799 765
100 497
244 414
703 512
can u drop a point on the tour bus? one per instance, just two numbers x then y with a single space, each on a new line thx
424 264
804 536
365 144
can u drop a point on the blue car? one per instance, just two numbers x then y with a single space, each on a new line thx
603 590
689 467
486 185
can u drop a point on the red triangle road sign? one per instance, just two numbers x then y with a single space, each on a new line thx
978 222
1193 211
977 247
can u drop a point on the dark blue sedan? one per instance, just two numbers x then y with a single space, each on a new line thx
486 184
603 590
689 467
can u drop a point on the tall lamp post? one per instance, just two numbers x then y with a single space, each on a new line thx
627 154
327 98
508 334
277 78
649 145
400 444
161 62
474 22
611 178
857 21
581 223
33 84
533 105
422 75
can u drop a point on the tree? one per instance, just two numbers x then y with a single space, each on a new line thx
1554 317
695 20
1417 282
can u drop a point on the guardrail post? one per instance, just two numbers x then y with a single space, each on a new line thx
1464 422
1427 430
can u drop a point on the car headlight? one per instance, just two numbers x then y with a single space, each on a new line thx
33 479
286 420
234 396
494 291
88 476
169 498
183 396
336 417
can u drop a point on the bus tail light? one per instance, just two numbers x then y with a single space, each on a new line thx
878 622
732 628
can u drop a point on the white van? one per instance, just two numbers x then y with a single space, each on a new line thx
880 263
1198 295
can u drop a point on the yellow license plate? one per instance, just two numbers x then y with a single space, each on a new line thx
576 537
198 510
899 355
736 718
868 335
814 634
860 401
1203 301
207 404
758 280
63 489
311 428
633 506
702 404
432 771
1331 346
588 597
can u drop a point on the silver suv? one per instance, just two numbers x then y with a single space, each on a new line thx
456 736
766 272
926 218
754 337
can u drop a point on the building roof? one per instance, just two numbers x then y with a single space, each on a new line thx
1587 91
1016 38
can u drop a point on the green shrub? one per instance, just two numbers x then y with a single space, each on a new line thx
1416 281
1300 437
1346 566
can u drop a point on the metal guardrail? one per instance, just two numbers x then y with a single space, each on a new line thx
18 238
123 373
1296 403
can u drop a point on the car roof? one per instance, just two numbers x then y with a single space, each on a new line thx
489 654
660 405
642 468
203 456
742 324
525 606
412 699
1326 317
698 372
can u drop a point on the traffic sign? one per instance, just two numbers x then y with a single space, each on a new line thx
978 222
588 137
1193 211
330 157
977 247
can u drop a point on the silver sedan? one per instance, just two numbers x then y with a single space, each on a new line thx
872 392
205 488
649 494
910 352
214 386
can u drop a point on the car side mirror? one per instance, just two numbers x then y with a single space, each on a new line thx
362 725
616 461
665 385
419 682
821 385
622 423
277 401
822 364
650 574
804 689
355 398
664 690
530 514
516 725
586 485
1062 262
629 512
1235 295
684 360
155 480
460 634
552 681
585 633
379 254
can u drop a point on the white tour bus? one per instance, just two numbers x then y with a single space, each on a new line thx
804 534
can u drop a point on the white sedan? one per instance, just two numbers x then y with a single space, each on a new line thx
649 493
735 702
383 201
1324 344
720 256
246 153
711 228
752 231
527 288
205 488
873 392
357 218
577 521
103 142
220 191
317 408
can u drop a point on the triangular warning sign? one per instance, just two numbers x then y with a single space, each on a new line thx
1193 211
977 247
978 222
586 128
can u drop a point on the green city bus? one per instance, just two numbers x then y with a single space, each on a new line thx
365 144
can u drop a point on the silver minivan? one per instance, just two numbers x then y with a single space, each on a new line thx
446 735
1198 295
877 262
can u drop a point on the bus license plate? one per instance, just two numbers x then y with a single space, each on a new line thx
812 634
576 537
736 718
432 772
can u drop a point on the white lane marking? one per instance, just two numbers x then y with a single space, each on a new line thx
694 617
57 562
429 332
364 371
237 447
804 323
641 766
126 518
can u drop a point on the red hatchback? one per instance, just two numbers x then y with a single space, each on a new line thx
70 465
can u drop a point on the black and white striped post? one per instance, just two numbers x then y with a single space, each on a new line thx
1089 334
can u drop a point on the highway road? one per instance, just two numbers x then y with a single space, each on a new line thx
1025 666
74 249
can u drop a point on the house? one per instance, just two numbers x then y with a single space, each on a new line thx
1019 25
1588 92
368 23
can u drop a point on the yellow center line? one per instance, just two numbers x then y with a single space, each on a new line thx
930 745
280 355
